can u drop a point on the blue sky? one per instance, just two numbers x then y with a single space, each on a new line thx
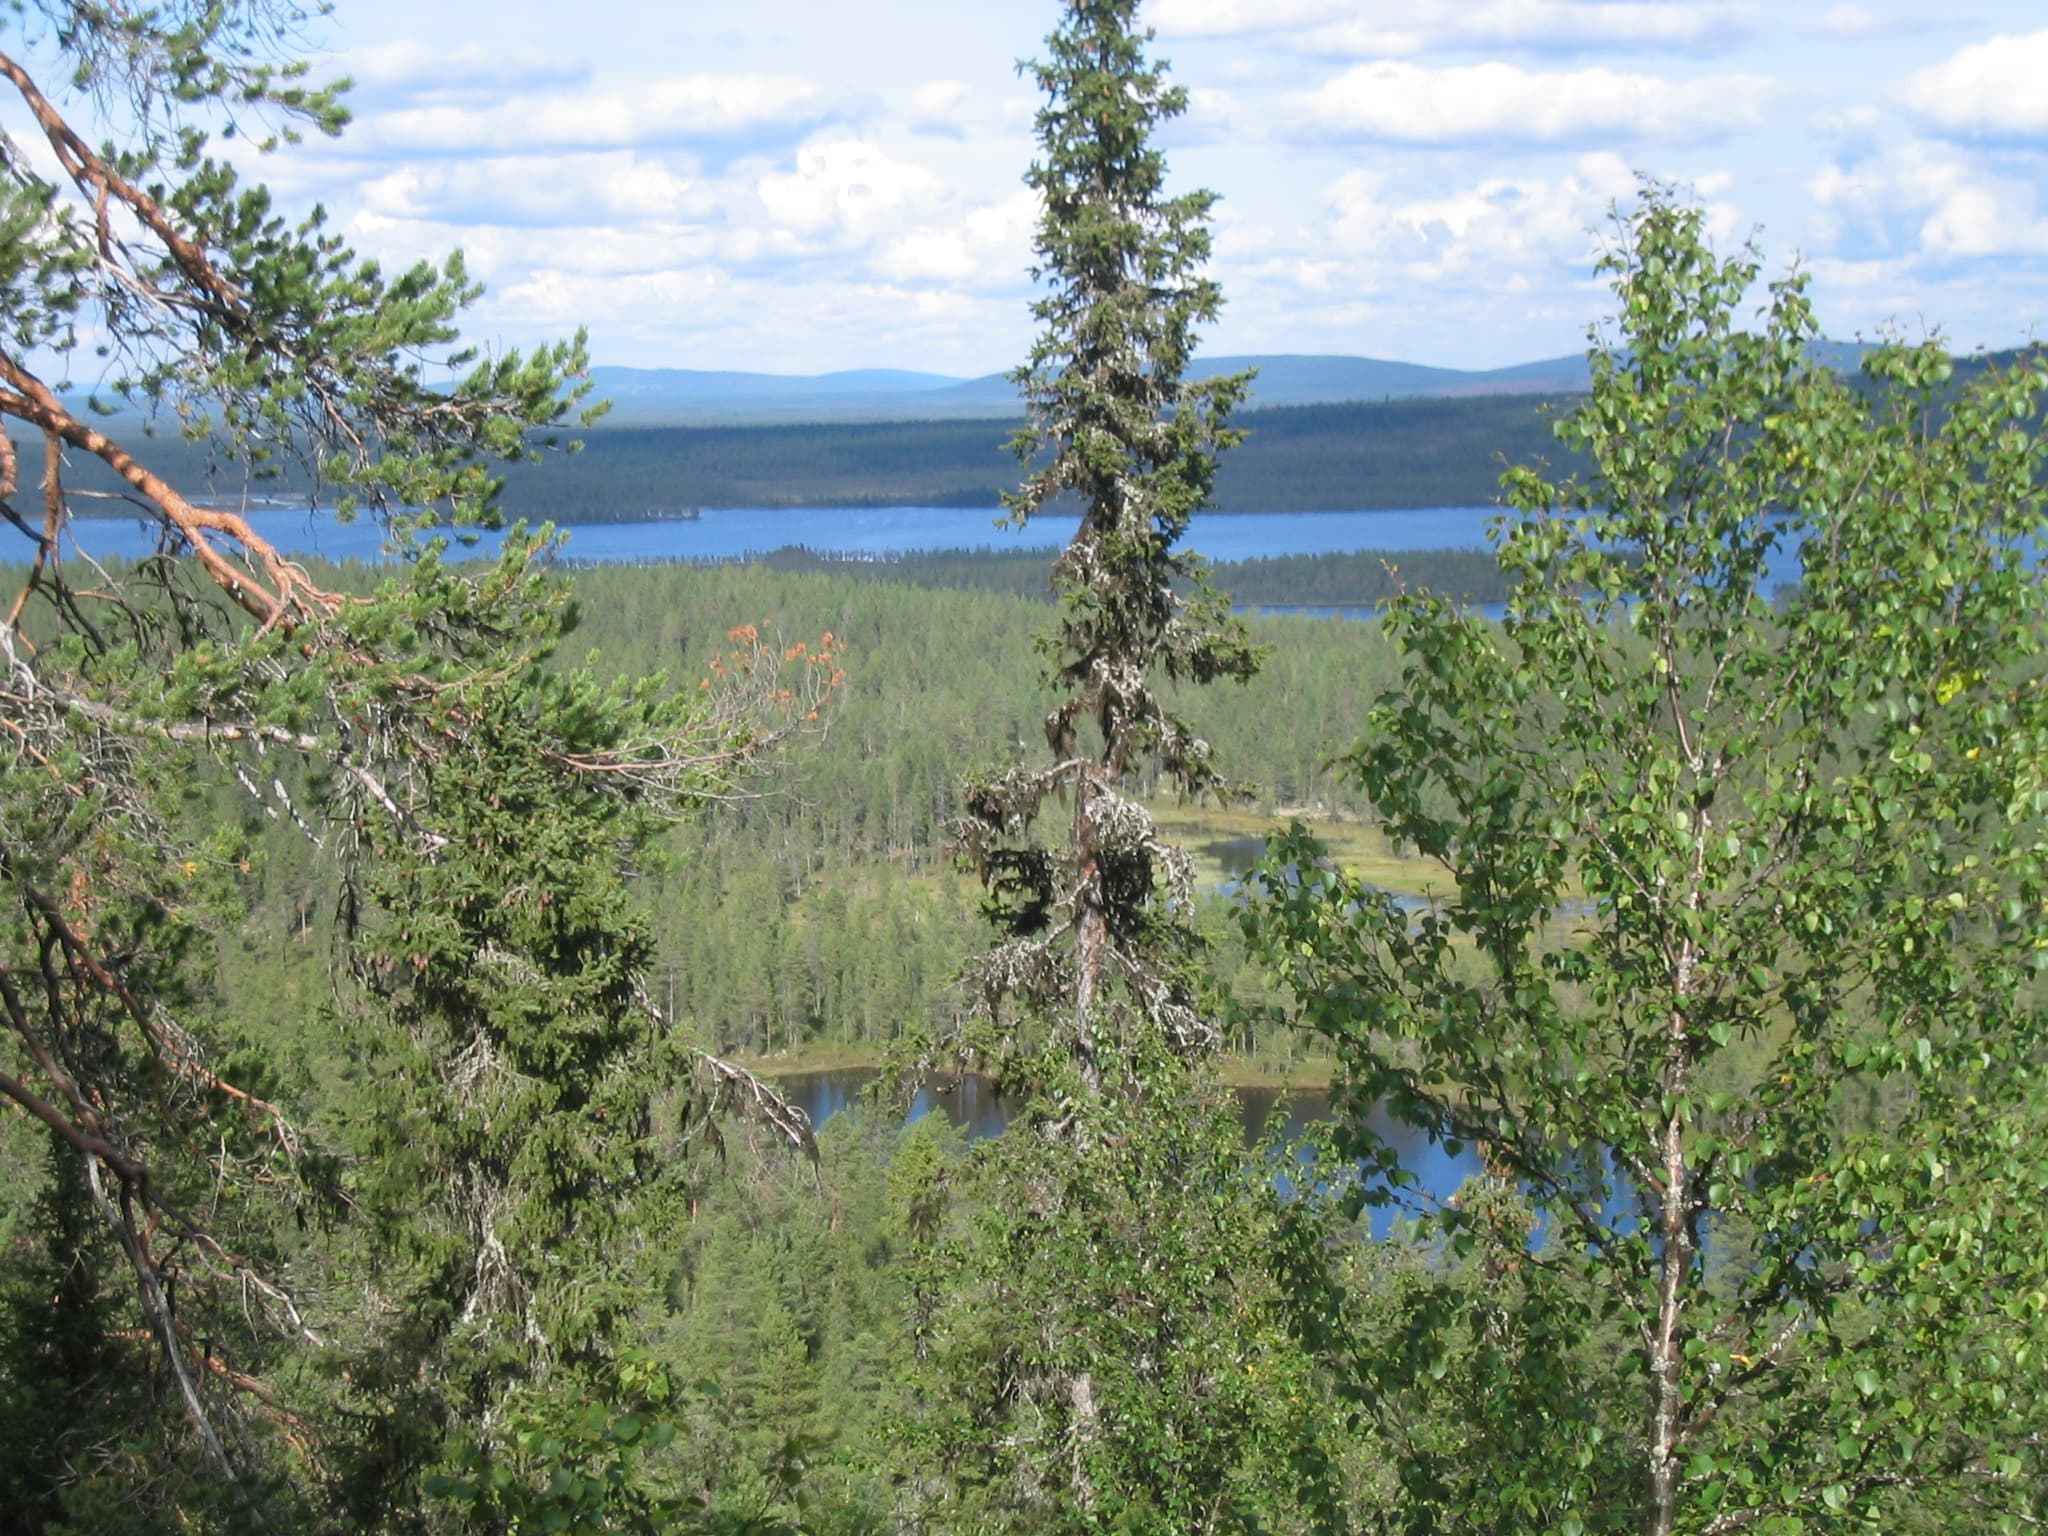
795 186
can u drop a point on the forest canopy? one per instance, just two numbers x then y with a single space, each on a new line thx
393 960
189 1341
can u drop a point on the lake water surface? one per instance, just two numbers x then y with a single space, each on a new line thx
855 532
974 1105
877 533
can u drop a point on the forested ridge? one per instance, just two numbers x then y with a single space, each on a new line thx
396 961
1308 458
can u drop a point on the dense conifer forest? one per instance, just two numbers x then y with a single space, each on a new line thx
397 963
823 908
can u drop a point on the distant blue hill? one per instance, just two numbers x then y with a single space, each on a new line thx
643 397
678 396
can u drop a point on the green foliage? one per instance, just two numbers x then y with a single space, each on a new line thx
1127 436
510 1169
1358 579
1137 445
69 1391
477 800
1097 1353
784 1333
1738 981
579 1469
829 916
826 916
1113 1353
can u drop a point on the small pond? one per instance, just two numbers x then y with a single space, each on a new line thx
977 1108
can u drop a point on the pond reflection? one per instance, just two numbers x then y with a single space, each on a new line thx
975 1105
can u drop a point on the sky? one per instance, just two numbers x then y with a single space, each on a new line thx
796 186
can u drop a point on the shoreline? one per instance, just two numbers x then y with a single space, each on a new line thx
1233 1071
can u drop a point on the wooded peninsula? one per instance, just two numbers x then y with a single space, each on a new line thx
1309 458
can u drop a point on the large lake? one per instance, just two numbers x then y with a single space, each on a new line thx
859 532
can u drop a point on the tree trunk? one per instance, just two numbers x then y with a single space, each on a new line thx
1675 1234
1667 1358
1091 925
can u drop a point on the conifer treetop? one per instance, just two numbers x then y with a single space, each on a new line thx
1117 426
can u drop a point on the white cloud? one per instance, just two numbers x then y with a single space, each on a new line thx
956 110
1881 297
839 205
1854 127
1378 28
940 102
1230 18
1931 200
655 111
1993 89
1494 270
1862 276
1365 40
673 180
848 186
1539 25
1502 221
561 299
506 255
541 190
990 247
1494 101
1845 21
410 66
705 318
1217 116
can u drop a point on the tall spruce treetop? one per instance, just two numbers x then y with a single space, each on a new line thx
1096 1354
1122 431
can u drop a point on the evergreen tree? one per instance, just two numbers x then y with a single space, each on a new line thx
71 1393
1099 1353
371 719
1096 924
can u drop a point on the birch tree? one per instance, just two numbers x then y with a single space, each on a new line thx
1733 976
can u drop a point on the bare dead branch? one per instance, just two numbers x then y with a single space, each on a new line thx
757 1100
285 598
157 1308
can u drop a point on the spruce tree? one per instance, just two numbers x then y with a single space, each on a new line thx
1098 1354
1096 925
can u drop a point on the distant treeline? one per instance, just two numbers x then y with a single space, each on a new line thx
1310 458
1354 457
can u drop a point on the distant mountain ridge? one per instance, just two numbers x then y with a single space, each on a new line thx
694 397
686 396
